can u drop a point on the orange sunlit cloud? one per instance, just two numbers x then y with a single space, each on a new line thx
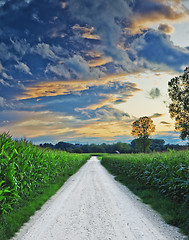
35 124
105 129
87 32
55 88
99 61
169 13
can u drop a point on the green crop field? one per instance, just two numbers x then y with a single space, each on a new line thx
168 172
159 179
26 169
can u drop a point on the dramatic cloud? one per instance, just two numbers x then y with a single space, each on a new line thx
105 24
147 12
166 28
111 85
76 64
154 50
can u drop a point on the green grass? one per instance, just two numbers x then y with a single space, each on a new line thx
30 175
159 179
12 221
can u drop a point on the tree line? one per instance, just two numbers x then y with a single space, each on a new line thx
178 91
119 147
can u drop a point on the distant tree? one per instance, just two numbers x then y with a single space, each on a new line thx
47 145
77 150
96 148
178 90
122 147
143 128
157 145
64 146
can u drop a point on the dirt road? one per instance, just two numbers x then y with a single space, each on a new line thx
93 206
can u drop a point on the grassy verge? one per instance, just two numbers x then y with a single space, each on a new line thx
11 222
30 175
140 173
172 212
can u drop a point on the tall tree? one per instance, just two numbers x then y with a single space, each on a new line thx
178 90
143 128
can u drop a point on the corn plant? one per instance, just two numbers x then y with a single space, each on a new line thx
167 172
25 167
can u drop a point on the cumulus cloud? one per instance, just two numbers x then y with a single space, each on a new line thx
105 113
106 25
78 66
4 83
21 46
23 68
154 50
6 76
45 51
166 28
73 67
6 53
60 70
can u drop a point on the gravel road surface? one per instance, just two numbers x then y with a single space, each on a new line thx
93 206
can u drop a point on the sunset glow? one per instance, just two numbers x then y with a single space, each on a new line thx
79 72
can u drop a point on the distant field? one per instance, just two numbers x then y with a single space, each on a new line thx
28 173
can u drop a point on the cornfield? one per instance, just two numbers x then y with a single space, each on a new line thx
167 172
25 167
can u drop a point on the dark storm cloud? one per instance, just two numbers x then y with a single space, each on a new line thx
105 18
40 38
159 52
152 11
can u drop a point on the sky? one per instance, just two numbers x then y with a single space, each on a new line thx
83 71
